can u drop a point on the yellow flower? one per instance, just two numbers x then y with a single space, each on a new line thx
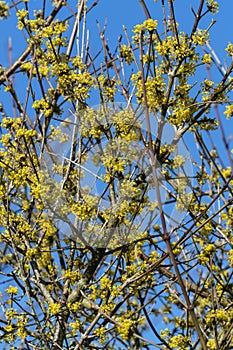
150 24
54 308
229 111
4 10
124 328
12 290
207 58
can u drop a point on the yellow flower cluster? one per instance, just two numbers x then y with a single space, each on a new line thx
181 113
127 126
107 87
16 324
201 37
54 308
74 306
85 208
213 6
100 332
55 29
227 172
73 276
78 63
207 58
21 329
12 290
229 49
155 89
211 344
32 253
27 67
169 48
179 342
75 326
230 257
105 283
70 82
206 253
125 327
149 24
229 111
21 14
115 164
126 53
4 10
218 316
43 105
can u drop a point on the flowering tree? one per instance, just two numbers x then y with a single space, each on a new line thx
116 202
